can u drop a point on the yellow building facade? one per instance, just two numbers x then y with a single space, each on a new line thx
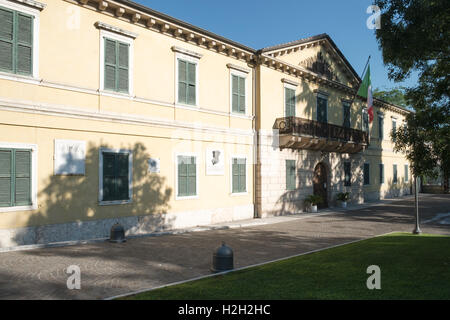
111 112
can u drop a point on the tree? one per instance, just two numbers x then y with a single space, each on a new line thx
415 36
394 95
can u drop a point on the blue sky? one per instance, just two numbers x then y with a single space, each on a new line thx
263 23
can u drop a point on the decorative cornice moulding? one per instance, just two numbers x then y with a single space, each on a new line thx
187 52
107 27
31 3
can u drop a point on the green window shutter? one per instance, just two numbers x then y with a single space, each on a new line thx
187 176
365 121
182 81
347 174
291 173
115 176
108 176
346 110
117 60
15 177
24 44
381 173
381 128
289 102
239 179
123 65
191 87
5 177
182 177
366 173
121 176
406 173
192 176
241 95
22 182
110 65
237 94
322 110
235 176
6 40
16 42
394 169
394 130
242 175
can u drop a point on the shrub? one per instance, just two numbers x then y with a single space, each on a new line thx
343 196
313 199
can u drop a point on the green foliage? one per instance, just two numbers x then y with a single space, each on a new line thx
395 95
313 200
415 37
343 196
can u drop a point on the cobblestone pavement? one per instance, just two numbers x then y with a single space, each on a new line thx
111 269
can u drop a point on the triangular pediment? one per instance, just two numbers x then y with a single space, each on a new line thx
319 55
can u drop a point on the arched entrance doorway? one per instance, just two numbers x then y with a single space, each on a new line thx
320 184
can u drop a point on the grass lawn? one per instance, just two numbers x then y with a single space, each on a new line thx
412 267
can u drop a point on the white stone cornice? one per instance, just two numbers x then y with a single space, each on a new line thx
107 27
238 68
31 3
187 52
292 83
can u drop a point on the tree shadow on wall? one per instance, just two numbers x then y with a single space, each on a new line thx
69 207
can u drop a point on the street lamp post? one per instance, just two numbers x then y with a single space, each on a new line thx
416 192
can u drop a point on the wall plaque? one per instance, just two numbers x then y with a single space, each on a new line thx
215 164
70 157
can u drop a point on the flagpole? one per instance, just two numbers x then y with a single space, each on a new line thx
362 76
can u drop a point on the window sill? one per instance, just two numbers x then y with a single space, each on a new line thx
186 197
187 106
20 78
18 208
115 94
115 202
237 194
240 115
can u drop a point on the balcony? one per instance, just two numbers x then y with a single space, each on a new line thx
299 133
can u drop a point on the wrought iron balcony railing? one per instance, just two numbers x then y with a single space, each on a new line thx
334 136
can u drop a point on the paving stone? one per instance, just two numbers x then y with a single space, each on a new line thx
109 269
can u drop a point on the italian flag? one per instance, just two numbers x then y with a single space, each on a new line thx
365 91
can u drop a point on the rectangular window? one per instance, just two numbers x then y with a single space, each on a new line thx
347 174
238 94
365 120
116 77
187 176
15 177
289 102
16 42
406 173
116 176
394 174
346 111
380 127
366 173
394 129
291 175
238 168
322 109
381 173
187 82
